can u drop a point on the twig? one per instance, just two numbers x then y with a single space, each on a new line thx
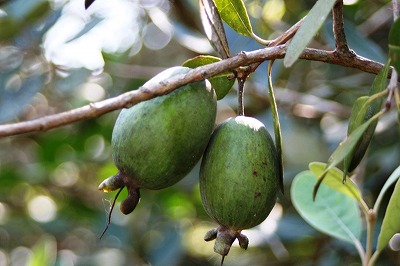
128 99
391 88
338 29
287 35
371 220
396 9
241 82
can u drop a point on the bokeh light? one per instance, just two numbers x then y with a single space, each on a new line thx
66 174
3 213
42 209
3 258
273 10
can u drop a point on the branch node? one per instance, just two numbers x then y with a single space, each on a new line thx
243 54
203 74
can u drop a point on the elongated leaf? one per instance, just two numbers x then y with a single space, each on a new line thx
391 221
220 83
349 143
394 44
234 13
390 181
310 26
345 148
357 116
380 80
277 126
213 27
333 213
361 133
364 108
334 178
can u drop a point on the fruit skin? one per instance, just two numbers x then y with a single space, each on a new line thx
239 174
239 179
157 142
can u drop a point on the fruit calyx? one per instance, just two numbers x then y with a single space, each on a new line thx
119 181
224 238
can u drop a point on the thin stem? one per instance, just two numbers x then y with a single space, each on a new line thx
287 35
277 126
241 82
371 220
360 250
364 207
374 258
391 88
260 40
396 9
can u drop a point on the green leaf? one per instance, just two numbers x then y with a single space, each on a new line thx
380 80
394 44
363 109
310 26
334 179
357 118
277 126
391 221
234 13
333 213
349 143
44 252
390 181
358 112
220 83
213 27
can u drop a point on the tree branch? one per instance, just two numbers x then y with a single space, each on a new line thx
338 28
128 99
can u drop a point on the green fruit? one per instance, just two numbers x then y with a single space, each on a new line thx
239 179
157 142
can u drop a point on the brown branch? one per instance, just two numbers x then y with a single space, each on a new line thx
338 29
133 97
287 35
331 57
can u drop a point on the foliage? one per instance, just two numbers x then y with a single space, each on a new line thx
56 56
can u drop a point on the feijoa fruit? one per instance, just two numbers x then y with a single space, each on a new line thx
157 142
239 180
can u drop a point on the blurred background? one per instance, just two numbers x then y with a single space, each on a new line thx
56 56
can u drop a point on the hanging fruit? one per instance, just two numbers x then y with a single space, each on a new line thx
239 180
157 142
